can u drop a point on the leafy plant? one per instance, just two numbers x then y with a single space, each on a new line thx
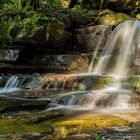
97 137
19 20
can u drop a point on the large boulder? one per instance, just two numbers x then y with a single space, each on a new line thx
89 38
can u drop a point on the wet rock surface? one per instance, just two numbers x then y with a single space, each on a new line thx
13 104
57 124
88 38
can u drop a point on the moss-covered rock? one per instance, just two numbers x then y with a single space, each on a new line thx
55 128
135 83
75 82
87 123
113 18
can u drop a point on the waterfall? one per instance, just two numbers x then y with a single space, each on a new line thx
123 41
122 38
13 84
96 49
98 99
126 48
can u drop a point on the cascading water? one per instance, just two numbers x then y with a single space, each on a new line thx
96 50
121 41
122 38
12 84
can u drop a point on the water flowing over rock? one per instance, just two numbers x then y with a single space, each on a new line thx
124 38
124 49
17 83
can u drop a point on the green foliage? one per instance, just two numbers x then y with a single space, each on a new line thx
51 11
131 124
135 83
97 137
17 21
20 20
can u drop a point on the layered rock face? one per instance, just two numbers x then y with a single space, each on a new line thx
87 39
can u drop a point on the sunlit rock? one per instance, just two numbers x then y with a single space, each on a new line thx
113 19
65 3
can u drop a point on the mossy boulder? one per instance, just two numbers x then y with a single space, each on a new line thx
86 124
112 18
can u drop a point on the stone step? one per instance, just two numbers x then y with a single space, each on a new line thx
71 82
42 63
28 69
47 63
54 83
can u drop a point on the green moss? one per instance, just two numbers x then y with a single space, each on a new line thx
100 82
20 126
135 83
88 123
113 18
58 127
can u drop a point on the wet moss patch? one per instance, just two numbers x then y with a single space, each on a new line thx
58 126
